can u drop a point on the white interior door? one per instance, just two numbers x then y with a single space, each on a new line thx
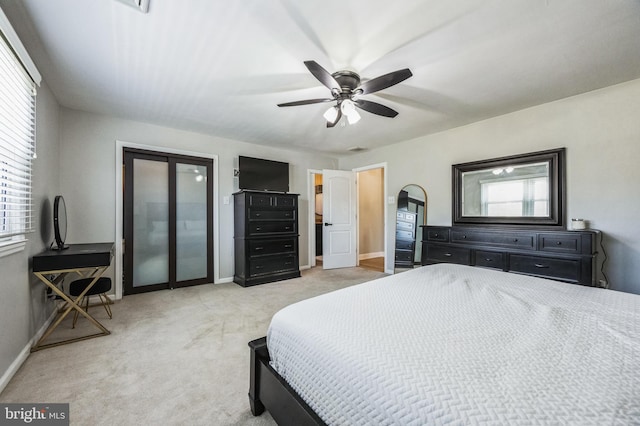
339 219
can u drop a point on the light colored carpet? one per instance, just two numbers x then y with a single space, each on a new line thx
174 357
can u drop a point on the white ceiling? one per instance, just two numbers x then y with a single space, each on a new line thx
220 67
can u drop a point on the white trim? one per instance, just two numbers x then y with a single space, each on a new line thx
24 353
120 145
224 280
12 246
303 267
311 190
364 256
16 45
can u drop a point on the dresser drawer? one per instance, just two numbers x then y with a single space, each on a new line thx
267 247
560 243
489 259
260 200
284 201
404 235
404 245
444 253
258 214
407 226
563 269
406 216
404 256
261 228
272 264
501 239
437 234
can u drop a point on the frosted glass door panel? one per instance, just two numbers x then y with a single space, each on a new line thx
150 222
191 222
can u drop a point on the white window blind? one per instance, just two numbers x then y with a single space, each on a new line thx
17 144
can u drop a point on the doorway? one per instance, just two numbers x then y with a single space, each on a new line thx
371 211
168 214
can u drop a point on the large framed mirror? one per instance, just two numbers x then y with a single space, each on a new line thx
520 190
411 212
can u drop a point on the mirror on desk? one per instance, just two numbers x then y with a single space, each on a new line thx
59 223
410 214
525 189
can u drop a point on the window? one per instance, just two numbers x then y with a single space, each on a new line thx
17 145
521 197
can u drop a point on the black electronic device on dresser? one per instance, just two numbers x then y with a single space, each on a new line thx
265 237
561 255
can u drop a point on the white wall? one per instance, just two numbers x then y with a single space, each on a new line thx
601 131
88 174
371 212
23 304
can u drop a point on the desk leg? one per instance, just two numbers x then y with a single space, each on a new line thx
72 304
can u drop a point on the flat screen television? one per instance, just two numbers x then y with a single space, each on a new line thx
263 175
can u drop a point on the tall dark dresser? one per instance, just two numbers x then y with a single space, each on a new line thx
265 237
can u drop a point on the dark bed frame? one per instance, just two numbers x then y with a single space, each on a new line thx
268 390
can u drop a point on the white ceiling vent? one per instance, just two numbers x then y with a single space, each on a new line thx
141 5
357 149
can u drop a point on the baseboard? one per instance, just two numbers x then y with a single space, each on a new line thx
303 267
363 256
24 353
224 280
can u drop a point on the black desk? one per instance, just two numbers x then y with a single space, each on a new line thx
52 266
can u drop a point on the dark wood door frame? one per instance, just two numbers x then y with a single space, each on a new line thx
129 154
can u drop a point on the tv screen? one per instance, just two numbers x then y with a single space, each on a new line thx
263 175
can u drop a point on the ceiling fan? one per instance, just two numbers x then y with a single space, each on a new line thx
346 91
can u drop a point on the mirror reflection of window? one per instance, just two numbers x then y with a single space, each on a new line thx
513 191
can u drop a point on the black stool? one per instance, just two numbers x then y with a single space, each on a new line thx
100 288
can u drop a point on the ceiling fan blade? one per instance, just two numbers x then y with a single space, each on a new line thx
322 75
306 102
338 117
375 108
385 81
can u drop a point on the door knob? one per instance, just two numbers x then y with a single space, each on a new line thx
328 224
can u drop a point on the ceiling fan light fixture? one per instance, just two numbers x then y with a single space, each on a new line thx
353 117
331 114
349 109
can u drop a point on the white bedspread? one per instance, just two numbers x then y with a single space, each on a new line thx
451 344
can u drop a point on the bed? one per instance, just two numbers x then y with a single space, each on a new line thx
452 344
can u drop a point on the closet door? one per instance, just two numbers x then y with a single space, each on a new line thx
168 224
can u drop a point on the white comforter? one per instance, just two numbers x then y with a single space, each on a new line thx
451 344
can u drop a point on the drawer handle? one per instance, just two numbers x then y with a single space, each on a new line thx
259 267
258 228
488 259
515 240
288 245
448 254
258 214
288 263
287 215
558 243
464 237
259 248
435 235
540 265
287 228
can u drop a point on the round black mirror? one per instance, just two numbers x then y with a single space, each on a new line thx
59 222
